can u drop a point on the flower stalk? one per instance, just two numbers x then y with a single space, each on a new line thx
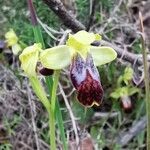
35 82
52 109
54 89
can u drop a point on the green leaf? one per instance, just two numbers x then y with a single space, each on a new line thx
60 124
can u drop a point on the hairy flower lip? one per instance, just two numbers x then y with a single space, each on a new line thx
90 92
86 80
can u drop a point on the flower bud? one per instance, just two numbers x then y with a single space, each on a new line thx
46 71
126 104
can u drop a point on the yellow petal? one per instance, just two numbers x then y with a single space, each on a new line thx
84 37
56 58
102 55
29 59
81 41
16 49
11 37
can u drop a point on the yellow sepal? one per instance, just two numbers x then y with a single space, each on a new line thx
16 49
81 41
57 57
102 54
29 59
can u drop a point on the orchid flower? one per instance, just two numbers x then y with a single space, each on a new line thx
82 58
12 40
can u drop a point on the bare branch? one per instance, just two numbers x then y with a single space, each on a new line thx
71 114
138 127
68 20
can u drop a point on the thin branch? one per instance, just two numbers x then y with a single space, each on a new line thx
71 114
124 138
68 20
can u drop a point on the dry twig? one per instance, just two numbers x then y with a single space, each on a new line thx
68 20
124 138
71 114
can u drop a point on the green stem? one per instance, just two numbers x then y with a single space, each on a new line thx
54 89
146 80
52 110
36 85
61 125
52 130
58 114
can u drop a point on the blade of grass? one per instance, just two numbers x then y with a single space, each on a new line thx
60 125
36 29
38 35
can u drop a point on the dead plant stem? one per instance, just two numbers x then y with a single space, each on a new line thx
146 80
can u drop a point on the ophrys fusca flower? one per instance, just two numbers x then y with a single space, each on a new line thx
82 58
12 41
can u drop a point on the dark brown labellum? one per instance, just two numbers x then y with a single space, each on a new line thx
126 104
85 78
46 71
